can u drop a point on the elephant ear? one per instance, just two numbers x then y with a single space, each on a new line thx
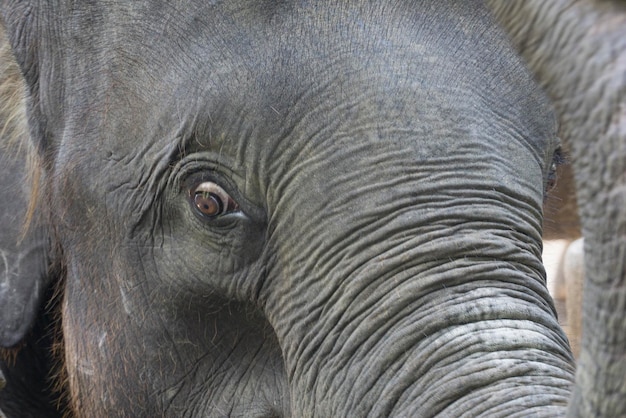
23 264
23 251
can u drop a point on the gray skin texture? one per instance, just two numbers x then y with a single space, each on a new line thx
577 50
25 343
388 163
23 249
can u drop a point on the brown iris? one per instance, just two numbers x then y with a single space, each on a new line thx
210 200
209 204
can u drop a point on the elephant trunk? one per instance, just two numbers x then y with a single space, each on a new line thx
403 269
474 332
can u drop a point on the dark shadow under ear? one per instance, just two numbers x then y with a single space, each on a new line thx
34 381
26 317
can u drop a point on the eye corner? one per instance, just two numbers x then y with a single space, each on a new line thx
559 157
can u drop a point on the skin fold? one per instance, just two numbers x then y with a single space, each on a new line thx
270 209
577 49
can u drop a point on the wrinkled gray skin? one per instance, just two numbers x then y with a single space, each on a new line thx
578 51
383 257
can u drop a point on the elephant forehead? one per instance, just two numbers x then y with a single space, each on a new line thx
270 80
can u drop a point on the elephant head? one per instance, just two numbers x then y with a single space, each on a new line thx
293 208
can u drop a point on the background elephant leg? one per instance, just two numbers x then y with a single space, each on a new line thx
601 390
573 273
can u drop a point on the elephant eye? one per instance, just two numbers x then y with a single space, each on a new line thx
551 183
558 159
210 200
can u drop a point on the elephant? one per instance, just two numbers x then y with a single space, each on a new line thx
24 274
292 208
577 50
23 288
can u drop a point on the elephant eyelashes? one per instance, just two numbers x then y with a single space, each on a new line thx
210 200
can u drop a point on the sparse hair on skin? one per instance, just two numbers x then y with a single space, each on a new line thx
12 97
15 141
13 124
14 132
